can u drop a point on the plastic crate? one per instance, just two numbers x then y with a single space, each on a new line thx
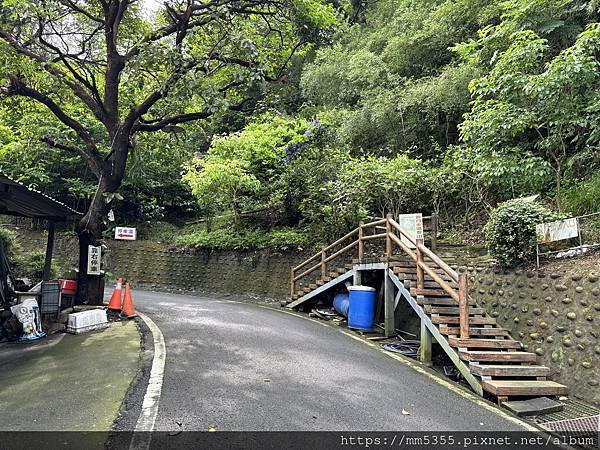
84 321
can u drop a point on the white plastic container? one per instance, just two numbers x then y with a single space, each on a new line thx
84 321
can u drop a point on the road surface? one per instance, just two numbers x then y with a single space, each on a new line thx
236 366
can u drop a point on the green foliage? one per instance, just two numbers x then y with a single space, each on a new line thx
31 265
583 197
510 232
158 231
224 239
10 243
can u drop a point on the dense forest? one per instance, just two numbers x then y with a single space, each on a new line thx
280 124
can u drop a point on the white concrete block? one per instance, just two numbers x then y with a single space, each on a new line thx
84 321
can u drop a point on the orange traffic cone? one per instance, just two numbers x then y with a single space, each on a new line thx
115 300
128 308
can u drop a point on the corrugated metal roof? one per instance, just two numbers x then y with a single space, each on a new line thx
16 199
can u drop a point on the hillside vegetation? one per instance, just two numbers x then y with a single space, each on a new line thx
394 106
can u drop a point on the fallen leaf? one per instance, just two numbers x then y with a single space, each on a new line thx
212 429
405 412
267 380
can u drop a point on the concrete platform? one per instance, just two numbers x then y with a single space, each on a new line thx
534 406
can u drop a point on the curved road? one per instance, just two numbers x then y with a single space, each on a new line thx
238 366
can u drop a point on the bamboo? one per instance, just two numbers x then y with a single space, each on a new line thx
437 260
463 306
343 250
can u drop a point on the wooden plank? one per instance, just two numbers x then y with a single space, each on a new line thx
484 343
475 331
468 355
389 306
451 310
440 301
321 289
523 387
472 320
463 305
497 370
429 292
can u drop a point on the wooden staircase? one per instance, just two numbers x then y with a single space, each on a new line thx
489 358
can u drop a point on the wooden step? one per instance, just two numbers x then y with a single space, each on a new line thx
341 270
440 301
312 286
498 370
472 320
428 292
320 282
484 343
451 310
523 387
474 331
469 355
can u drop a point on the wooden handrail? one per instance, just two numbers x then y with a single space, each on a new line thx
438 261
312 269
374 236
421 252
402 231
341 251
342 239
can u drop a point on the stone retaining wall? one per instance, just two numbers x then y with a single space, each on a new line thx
157 266
555 315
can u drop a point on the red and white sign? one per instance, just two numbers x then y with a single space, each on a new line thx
125 233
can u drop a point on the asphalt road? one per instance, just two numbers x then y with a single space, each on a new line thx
238 366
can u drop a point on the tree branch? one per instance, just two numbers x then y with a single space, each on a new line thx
90 153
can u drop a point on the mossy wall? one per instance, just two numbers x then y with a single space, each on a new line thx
555 315
157 266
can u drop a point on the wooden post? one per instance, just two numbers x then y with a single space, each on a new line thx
463 306
389 320
434 231
323 264
425 346
361 244
420 272
357 278
388 236
49 250
292 284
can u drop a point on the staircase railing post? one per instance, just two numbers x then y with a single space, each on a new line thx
463 306
388 236
323 264
292 283
420 272
361 243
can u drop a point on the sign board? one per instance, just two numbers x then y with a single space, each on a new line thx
413 225
125 233
94 256
557 231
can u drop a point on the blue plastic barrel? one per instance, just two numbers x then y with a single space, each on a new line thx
361 308
340 304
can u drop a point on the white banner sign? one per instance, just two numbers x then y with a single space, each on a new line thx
557 231
413 225
94 256
125 233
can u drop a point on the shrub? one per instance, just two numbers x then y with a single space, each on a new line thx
510 231
582 198
11 245
279 239
31 266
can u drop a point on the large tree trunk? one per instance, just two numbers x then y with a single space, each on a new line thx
89 231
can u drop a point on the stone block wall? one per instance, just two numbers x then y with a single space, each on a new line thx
555 315
158 266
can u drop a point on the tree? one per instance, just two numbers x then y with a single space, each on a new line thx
109 73
530 102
